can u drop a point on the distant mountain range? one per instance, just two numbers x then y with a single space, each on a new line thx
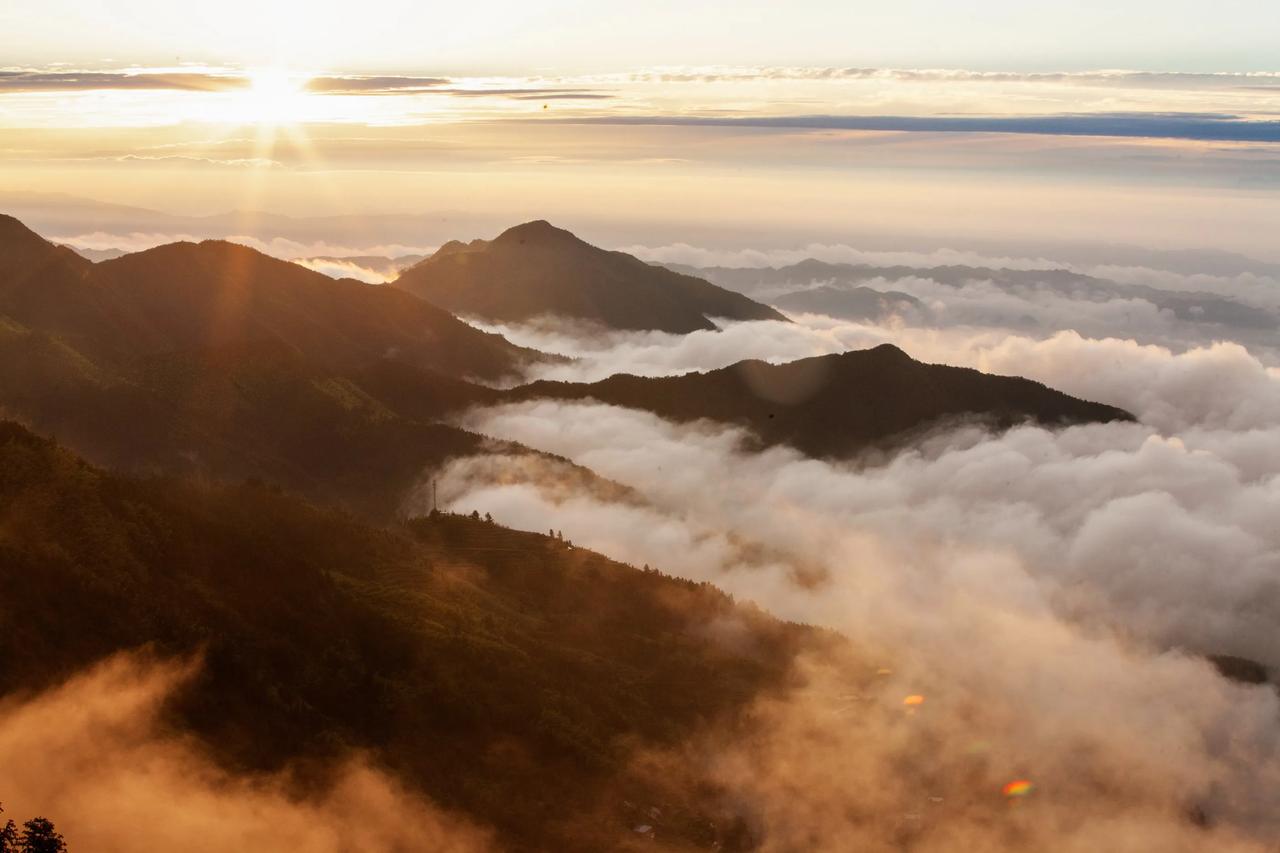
214 360
841 290
537 269
862 304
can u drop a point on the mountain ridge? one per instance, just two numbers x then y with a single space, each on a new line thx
838 405
535 269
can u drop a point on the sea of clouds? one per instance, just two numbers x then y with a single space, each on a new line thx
1052 593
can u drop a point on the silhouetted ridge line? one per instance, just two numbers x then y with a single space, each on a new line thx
839 405
536 269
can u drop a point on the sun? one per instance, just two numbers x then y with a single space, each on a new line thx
273 96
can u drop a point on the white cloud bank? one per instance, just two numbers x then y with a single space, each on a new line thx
1048 592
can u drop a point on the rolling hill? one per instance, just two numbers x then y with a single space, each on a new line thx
537 269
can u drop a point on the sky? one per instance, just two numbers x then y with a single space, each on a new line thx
577 36
1155 123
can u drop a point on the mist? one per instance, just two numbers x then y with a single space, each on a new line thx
96 756
1052 594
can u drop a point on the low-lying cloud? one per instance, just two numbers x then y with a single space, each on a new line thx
1050 594
94 756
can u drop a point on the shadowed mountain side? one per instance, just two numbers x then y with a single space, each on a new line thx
838 405
216 361
536 269
186 296
256 411
505 674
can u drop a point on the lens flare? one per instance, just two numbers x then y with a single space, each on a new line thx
1017 788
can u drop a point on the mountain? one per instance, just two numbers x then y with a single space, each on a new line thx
536 269
856 303
97 255
214 294
25 255
506 675
838 405
214 360
785 285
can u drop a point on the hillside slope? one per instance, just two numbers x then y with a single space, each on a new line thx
505 674
215 361
537 269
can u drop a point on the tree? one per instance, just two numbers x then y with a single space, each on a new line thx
39 836
488 517
8 836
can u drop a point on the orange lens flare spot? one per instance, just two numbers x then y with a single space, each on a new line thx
1017 788
913 700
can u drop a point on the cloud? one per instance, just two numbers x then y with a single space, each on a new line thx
1178 80
135 241
1191 126
1202 468
186 160
71 81
1045 591
841 764
339 268
375 85
837 253
532 94
1048 592
94 756
396 85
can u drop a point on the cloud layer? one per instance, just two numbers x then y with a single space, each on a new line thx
1050 594
1191 126
94 756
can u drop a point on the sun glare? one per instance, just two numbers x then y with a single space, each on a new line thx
274 96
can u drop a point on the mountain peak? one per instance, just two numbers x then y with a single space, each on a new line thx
16 236
538 232
23 251
537 269
890 351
